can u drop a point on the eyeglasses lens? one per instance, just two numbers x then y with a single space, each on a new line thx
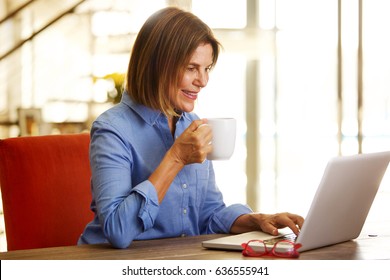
284 249
256 247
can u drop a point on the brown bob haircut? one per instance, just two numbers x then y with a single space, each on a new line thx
161 53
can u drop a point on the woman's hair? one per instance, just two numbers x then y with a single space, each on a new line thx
161 53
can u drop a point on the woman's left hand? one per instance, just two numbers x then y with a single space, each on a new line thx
269 223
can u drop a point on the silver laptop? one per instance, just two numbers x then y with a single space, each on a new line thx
339 208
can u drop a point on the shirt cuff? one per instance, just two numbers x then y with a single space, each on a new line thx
225 218
149 206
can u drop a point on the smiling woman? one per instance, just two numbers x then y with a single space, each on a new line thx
153 73
195 77
150 174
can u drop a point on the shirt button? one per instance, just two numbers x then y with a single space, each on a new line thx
184 186
184 211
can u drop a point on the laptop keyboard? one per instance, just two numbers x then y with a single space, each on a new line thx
290 237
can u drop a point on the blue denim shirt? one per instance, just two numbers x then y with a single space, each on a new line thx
128 142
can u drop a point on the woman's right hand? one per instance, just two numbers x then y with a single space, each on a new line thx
193 145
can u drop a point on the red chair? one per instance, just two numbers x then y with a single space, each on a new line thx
45 187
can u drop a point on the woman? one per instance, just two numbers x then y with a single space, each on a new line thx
150 175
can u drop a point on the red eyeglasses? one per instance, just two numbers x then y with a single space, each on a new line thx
281 249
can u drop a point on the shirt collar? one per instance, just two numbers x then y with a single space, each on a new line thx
148 114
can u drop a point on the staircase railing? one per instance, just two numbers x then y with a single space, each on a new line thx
13 13
35 33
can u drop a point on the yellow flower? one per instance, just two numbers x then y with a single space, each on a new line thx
117 79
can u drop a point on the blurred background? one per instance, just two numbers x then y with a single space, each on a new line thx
306 80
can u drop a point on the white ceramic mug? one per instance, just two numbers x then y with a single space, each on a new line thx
224 138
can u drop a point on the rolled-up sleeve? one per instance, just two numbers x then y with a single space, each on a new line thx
223 220
149 207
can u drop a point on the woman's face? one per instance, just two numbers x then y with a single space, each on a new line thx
196 76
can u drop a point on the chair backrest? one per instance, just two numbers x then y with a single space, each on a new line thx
45 187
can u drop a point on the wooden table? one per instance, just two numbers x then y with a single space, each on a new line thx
190 248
